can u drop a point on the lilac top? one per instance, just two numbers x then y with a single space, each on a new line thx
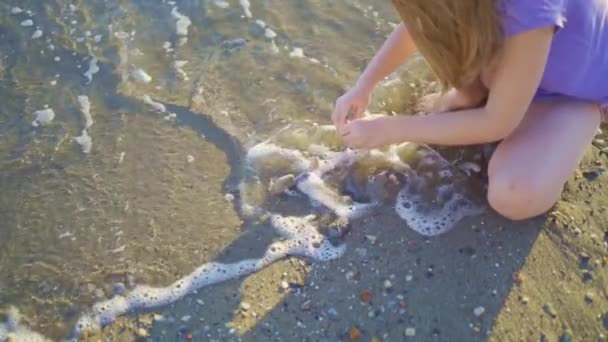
578 60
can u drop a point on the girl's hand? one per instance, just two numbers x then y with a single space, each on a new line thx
350 106
365 133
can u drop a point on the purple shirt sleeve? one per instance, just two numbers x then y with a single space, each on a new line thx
524 15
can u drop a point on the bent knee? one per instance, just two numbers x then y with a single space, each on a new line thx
521 198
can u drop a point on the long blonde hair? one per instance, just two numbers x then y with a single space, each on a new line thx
455 37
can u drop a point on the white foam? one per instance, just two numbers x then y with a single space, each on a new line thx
93 69
85 141
85 109
246 8
182 24
13 330
43 117
267 157
269 33
221 3
297 53
437 218
140 75
317 190
37 34
178 66
302 239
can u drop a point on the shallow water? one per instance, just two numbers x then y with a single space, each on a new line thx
173 112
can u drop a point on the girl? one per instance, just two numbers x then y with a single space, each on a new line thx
532 74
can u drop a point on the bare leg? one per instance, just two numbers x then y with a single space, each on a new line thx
530 167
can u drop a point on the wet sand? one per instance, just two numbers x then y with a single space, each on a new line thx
149 203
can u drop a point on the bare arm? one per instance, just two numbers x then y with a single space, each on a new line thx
512 89
397 48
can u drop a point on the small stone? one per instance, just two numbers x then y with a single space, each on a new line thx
479 311
410 332
587 277
332 312
118 288
388 285
229 197
186 318
27 23
366 296
305 306
37 34
190 159
371 238
245 306
352 275
549 310
588 297
354 334
525 300
141 332
409 277
567 336
16 10
284 285
518 278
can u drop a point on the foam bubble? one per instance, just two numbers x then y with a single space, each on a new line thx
140 75
437 217
302 239
246 8
157 106
85 109
37 34
93 69
43 117
182 24
85 141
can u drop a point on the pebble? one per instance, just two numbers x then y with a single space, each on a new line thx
409 277
410 332
479 311
186 318
549 310
141 332
518 278
305 306
229 197
371 238
366 296
388 285
284 285
354 334
567 336
332 312
589 297
118 288
37 34
16 10
190 159
525 300
245 306
27 23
